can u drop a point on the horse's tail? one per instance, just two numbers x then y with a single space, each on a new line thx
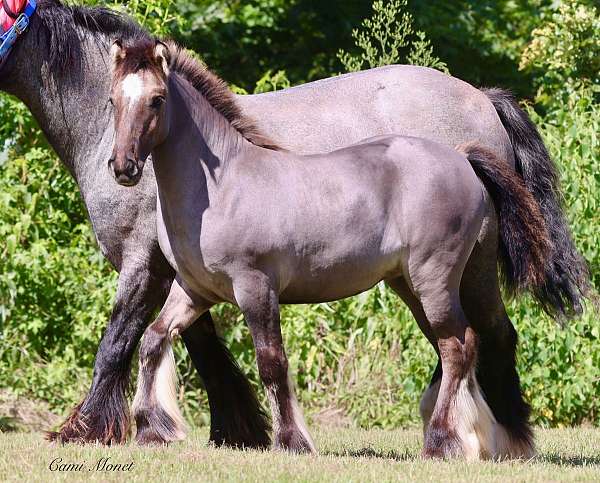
524 243
567 278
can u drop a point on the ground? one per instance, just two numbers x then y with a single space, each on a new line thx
345 455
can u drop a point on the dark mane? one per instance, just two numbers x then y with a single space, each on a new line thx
59 22
217 93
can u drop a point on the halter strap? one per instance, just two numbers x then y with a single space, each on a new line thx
9 38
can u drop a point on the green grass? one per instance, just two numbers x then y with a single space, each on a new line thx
345 455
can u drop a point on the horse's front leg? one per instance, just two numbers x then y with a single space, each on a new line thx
155 409
103 416
256 297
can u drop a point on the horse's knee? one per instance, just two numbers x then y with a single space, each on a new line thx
448 322
272 364
151 346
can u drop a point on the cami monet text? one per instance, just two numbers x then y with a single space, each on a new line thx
103 464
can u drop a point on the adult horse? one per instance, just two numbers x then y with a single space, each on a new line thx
59 69
256 226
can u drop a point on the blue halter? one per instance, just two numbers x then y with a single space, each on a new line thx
9 38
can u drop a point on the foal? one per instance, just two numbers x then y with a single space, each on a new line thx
257 227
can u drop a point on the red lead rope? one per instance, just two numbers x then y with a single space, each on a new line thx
9 11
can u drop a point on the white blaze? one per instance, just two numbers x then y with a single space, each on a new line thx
132 86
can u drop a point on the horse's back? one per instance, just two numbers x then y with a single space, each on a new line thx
408 100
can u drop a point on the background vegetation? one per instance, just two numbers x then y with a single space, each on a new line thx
360 361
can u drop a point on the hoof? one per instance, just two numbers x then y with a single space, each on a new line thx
441 444
241 437
293 441
155 426
84 429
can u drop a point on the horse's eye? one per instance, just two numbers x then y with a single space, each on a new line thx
157 102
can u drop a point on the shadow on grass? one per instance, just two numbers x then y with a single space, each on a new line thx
559 460
373 453
8 424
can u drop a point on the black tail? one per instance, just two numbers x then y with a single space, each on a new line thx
524 242
567 279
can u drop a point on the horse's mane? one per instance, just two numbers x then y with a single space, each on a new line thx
59 22
217 93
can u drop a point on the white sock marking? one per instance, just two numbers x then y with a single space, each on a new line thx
428 401
474 421
482 435
165 390
298 416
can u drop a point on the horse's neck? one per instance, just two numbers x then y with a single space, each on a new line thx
199 151
70 107
200 139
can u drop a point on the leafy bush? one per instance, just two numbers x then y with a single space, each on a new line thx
385 36
565 52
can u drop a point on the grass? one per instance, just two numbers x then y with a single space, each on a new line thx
345 455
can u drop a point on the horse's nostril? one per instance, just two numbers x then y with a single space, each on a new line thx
132 169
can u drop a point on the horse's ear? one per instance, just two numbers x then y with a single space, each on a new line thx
162 56
116 51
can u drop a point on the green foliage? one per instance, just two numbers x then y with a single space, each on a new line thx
385 36
161 17
565 53
243 39
269 82
55 287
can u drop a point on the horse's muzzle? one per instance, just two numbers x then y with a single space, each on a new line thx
126 173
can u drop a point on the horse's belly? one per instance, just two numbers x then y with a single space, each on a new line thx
335 282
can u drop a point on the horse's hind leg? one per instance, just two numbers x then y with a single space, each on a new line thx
461 419
155 408
259 303
496 364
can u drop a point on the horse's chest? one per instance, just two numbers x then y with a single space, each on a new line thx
199 260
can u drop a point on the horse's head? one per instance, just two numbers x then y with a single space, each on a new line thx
139 95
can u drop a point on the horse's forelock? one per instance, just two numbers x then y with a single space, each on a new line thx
138 55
